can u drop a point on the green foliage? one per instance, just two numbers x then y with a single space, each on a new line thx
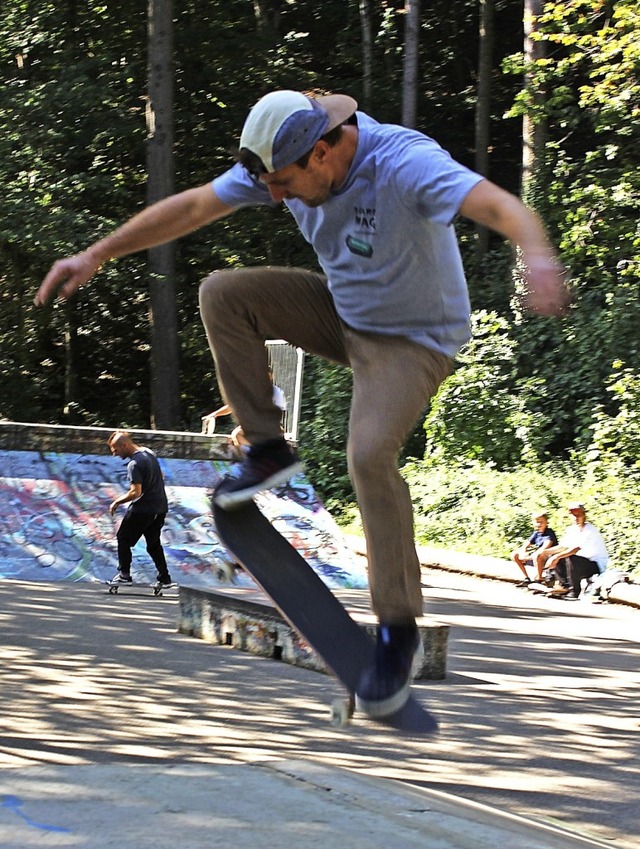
589 194
69 101
472 507
616 436
324 428
477 415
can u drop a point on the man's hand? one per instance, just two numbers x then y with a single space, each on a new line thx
113 507
545 287
66 276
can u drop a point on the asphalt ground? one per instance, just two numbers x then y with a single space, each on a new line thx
125 733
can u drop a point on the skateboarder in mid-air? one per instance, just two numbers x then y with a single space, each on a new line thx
147 509
377 202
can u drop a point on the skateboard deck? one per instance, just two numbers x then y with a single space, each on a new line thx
115 586
541 588
310 607
538 587
557 592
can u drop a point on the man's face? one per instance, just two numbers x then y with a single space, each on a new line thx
311 185
118 448
578 516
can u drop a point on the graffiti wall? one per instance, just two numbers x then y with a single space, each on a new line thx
55 523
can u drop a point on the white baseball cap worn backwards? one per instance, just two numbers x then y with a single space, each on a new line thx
284 125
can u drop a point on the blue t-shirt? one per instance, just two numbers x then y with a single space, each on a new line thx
385 239
143 468
538 538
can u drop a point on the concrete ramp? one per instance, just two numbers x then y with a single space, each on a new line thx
55 523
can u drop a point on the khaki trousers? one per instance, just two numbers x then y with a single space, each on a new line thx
393 380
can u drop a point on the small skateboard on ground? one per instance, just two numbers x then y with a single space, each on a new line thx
538 587
227 573
549 590
560 592
156 586
310 607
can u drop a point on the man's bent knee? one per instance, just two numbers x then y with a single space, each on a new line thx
370 461
215 287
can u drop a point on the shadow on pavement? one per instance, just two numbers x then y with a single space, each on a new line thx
539 713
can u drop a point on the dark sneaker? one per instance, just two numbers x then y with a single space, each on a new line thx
164 582
266 465
122 578
523 583
384 686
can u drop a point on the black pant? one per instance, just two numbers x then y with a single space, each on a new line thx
571 570
132 527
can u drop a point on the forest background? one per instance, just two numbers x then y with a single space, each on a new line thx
539 412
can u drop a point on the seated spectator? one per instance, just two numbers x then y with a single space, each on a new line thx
533 551
581 553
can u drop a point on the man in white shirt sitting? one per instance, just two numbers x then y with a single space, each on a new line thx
581 553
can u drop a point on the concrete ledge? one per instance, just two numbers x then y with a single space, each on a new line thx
26 436
628 594
469 564
247 620
452 561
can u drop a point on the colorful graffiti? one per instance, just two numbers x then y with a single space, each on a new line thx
55 523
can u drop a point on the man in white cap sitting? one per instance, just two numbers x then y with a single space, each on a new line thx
581 553
377 203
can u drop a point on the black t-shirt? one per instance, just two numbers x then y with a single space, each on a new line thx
143 468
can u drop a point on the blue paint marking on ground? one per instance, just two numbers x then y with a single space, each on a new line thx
15 803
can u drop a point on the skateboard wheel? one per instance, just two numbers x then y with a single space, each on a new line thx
113 591
341 712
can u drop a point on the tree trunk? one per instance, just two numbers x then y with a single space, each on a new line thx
367 53
267 14
165 370
483 109
533 128
411 57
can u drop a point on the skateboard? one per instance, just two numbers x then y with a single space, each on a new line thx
227 573
538 587
559 592
158 589
550 591
312 610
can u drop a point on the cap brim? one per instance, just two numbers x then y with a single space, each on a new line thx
338 107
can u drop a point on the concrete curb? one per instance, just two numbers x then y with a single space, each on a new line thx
436 813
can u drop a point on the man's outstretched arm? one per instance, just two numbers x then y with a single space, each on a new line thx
545 285
162 222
